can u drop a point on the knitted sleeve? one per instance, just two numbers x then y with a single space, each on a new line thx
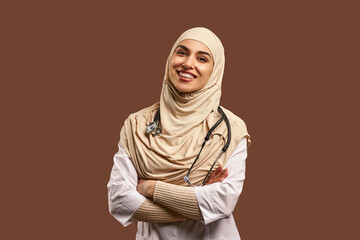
178 198
126 204
155 213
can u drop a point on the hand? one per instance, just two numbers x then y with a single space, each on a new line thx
146 187
217 176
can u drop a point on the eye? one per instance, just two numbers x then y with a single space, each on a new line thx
181 52
203 59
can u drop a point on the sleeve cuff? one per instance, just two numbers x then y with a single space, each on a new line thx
206 204
133 202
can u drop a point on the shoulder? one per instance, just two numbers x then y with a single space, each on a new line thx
234 120
135 121
238 126
145 113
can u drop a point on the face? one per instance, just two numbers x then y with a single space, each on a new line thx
191 66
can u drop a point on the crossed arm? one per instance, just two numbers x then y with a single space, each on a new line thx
181 200
155 201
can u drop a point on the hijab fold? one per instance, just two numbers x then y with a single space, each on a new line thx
185 120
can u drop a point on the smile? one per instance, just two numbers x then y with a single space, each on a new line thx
186 76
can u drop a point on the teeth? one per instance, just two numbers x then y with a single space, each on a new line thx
186 75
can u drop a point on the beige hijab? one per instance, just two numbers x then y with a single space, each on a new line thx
185 120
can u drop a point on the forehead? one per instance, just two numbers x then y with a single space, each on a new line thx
195 46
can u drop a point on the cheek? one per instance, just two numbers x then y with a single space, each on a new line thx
206 71
175 62
171 66
172 70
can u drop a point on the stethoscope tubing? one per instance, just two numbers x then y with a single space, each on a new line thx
155 126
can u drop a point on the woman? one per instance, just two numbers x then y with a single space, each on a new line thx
147 180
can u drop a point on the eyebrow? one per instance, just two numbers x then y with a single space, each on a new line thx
201 52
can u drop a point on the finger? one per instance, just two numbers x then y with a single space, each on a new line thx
211 178
217 171
214 173
225 174
222 178
222 173
225 171
214 176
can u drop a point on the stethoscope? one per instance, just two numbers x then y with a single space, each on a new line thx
155 129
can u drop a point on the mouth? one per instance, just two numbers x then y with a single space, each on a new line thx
186 76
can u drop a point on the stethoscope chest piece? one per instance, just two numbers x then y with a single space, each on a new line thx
154 126
151 127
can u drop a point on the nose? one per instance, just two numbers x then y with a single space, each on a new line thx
188 63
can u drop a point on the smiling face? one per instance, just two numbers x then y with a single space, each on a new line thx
191 66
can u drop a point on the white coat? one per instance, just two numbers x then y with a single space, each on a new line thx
216 202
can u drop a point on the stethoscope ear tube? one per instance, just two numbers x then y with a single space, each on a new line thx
229 130
216 124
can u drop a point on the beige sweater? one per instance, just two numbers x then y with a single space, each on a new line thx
171 203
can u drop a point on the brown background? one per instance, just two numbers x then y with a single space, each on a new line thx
72 71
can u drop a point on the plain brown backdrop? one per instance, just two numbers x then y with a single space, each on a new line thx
72 71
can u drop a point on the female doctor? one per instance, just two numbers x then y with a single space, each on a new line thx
165 175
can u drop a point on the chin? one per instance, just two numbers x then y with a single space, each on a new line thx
183 89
